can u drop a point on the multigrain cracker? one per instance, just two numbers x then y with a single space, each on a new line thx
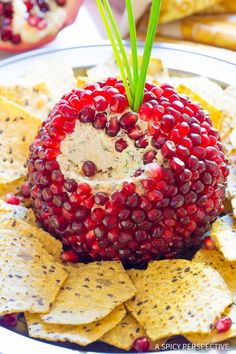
82 335
90 293
192 296
17 131
30 279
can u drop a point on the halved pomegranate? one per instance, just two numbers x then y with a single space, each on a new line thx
29 24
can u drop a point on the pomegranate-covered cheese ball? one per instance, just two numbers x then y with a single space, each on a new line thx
114 184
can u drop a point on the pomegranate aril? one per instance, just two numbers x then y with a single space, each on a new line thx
100 103
141 345
145 111
113 127
167 123
12 199
118 103
141 142
89 168
101 198
87 115
121 145
70 256
209 243
9 320
223 324
128 120
100 121
168 149
149 157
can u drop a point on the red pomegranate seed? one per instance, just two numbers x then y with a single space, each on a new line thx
149 157
141 345
209 243
135 133
168 149
118 103
113 127
70 256
12 199
128 120
89 168
121 145
100 103
142 142
223 324
100 121
101 198
145 111
87 115
9 320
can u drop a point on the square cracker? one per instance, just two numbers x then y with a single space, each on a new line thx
176 297
227 270
23 229
11 187
82 335
90 293
35 98
124 334
30 279
17 131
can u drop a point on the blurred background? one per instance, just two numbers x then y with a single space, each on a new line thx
195 22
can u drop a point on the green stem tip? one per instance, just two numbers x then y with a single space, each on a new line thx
134 81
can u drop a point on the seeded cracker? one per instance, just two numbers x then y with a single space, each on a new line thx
11 187
177 296
35 98
82 335
9 211
227 270
224 233
123 335
17 131
29 277
23 229
90 293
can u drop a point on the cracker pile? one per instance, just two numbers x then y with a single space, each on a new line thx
101 301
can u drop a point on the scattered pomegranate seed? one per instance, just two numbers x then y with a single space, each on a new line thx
141 345
9 320
209 243
12 199
70 256
89 168
223 324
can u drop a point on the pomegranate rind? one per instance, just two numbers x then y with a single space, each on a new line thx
72 9
227 270
204 291
82 335
108 286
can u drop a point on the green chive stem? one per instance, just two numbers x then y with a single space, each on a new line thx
133 42
116 52
119 40
151 33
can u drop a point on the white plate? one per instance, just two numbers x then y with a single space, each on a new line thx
181 60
